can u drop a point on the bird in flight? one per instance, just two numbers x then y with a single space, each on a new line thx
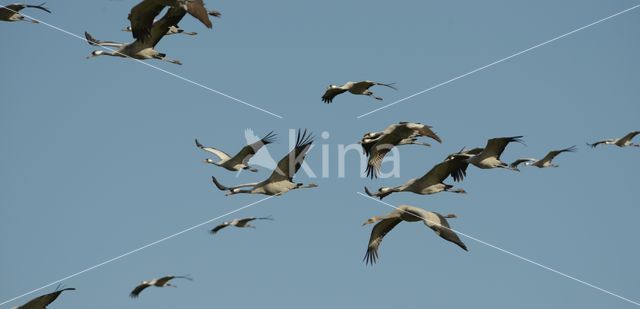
142 14
244 222
430 183
624 141
141 49
489 157
42 301
10 12
160 282
240 161
433 220
376 145
360 88
544 162
281 179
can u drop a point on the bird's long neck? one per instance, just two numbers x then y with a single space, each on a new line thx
109 53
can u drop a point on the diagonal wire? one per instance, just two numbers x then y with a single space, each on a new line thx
513 254
499 61
135 250
157 68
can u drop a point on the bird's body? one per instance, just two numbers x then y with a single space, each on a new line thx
11 12
159 282
241 223
435 221
172 30
141 49
41 302
625 141
377 144
281 180
489 157
544 162
430 183
358 88
142 15
241 160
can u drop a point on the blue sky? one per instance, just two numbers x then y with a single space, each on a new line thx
97 156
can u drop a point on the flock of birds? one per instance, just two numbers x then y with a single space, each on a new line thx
147 32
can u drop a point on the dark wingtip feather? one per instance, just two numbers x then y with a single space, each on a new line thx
269 138
219 185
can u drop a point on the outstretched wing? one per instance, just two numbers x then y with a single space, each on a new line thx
142 16
552 154
219 227
380 230
95 42
247 152
496 146
629 136
459 163
514 164
438 173
219 153
376 156
439 224
413 129
331 93
16 7
137 290
42 301
290 164
161 27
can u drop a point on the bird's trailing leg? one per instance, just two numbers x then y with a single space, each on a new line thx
250 168
163 57
303 186
456 190
369 93
380 194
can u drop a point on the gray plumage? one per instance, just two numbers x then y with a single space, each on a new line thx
358 88
435 221
11 12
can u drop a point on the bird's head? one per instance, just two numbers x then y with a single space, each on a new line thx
95 53
207 160
127 29
371 220
331 86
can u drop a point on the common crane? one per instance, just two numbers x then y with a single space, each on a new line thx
430 183
489 157
139 49
172 30
160 282
142 15
361 88
238 223
544 162
241 160
10 12
281 180
624 141
42 301
376 145
435 221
